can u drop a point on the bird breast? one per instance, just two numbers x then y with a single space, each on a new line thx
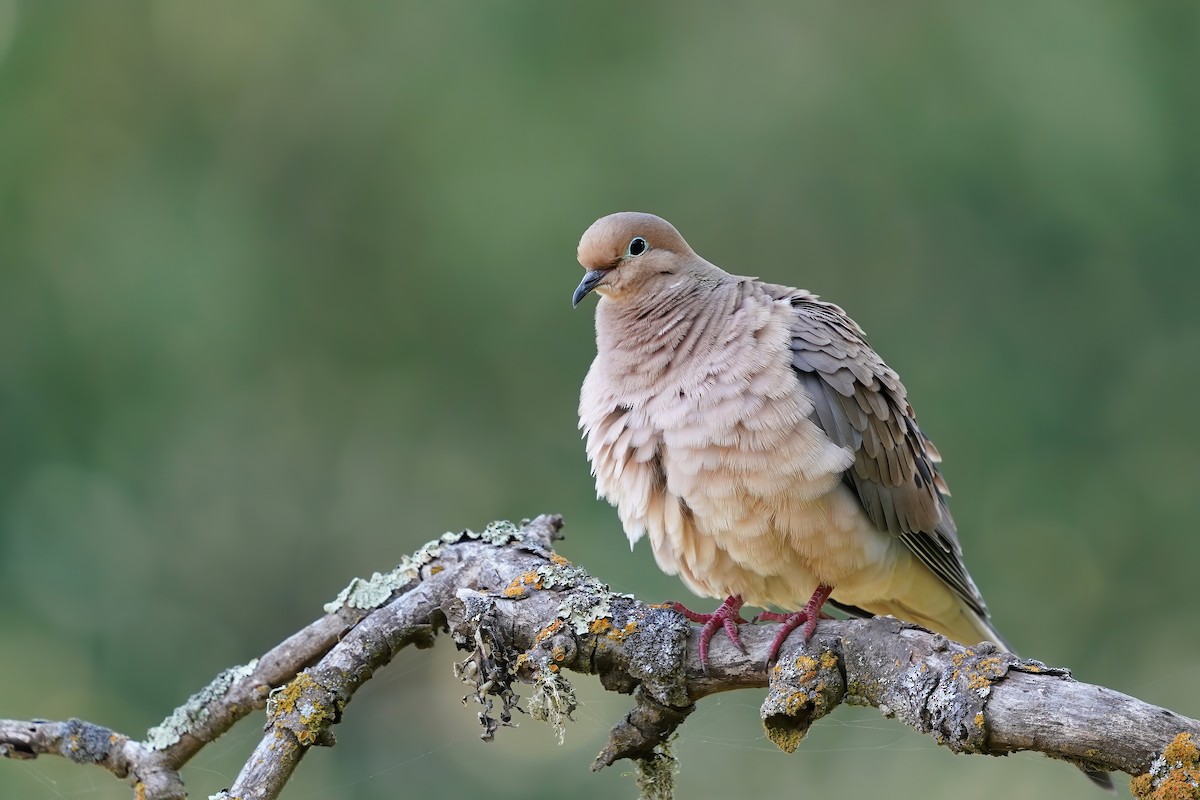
699 433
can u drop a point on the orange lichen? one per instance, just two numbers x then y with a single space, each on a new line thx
1142 785
806 668
786 738
549 630
313 715
623 632
1182 749
978 682
1174 776
517 588
979 720
604 627
555 558
794 703
979 676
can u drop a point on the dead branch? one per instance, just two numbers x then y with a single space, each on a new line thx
526 615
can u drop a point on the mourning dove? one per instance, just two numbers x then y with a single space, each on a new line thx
765 449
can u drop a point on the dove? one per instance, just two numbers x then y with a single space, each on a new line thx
765 449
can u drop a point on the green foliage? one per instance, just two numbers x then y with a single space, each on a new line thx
284 292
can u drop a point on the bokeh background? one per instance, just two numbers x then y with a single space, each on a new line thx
284 293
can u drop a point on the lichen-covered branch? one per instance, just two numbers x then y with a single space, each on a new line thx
86 743
524 615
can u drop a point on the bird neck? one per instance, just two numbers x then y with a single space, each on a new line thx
664 340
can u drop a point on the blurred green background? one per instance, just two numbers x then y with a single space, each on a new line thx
284 293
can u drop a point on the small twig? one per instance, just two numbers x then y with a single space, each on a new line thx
86 743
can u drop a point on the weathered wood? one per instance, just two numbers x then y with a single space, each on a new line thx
526 615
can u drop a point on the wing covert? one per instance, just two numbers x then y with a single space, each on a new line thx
860 403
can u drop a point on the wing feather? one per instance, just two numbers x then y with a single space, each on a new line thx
861 404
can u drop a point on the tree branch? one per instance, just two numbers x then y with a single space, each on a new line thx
526 615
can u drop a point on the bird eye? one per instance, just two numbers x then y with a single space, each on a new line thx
637 246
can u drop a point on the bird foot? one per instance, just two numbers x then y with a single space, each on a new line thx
807 617
727 616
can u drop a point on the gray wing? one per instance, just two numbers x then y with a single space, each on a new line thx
861 404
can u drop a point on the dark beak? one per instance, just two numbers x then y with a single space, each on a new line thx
589 282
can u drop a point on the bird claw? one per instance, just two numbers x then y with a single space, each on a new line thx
727 617
787 624
806 617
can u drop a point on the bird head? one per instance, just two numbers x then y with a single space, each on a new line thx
630 253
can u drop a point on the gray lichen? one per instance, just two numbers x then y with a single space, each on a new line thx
946 698
658 641
488 670
86 743
194 712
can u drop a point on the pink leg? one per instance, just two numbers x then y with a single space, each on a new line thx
806 616
726 616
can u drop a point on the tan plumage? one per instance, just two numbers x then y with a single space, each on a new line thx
752 434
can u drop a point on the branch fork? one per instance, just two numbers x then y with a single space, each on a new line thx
525 615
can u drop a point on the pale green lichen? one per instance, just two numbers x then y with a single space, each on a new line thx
194 711
374 591
656 775
379 588
581 609
566 574
496 534
553 700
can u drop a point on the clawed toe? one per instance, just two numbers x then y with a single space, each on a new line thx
806 617
727 617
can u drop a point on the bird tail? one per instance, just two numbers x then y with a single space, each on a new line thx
965 626
969 627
